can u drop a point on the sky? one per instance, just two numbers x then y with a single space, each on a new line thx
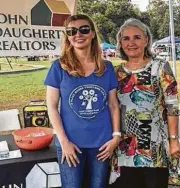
142 4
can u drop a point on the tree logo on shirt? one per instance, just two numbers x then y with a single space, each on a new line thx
87 100
89 96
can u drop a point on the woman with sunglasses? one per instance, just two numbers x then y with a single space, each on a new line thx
87 126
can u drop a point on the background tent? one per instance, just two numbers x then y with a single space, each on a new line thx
106 45
167 40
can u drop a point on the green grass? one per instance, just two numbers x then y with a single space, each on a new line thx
6 67
17 90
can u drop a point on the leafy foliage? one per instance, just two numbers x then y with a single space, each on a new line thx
109 15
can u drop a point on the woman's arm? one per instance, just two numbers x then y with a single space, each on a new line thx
52 97
108 147
173 133
114 110
68 148
170 94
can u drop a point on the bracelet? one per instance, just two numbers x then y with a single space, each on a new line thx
116 134
173 136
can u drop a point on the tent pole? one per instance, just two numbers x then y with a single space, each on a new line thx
172 35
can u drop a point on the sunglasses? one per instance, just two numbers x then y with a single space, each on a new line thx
84 29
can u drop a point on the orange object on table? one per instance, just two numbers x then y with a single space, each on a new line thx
33 138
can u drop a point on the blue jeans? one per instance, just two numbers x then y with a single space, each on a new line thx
71 177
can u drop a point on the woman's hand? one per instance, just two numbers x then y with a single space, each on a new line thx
69 153
107 149
174 148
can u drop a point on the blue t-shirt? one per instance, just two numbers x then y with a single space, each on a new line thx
84 110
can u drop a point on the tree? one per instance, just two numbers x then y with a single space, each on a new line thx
108 15
159 12
176 18
88 97
159 18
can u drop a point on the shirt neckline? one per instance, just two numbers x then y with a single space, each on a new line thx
137 70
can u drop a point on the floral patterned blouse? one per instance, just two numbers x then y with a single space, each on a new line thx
146 97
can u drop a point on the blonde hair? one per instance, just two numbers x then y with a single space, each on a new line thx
69 60
146 31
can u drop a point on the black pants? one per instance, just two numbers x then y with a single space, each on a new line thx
142 178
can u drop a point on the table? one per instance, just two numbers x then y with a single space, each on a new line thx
14 171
